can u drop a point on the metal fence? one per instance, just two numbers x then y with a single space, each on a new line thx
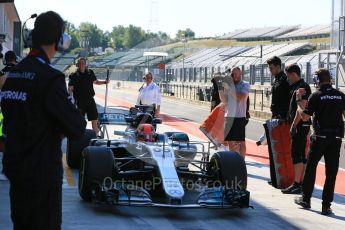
260 99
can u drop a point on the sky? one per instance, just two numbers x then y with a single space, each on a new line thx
206 18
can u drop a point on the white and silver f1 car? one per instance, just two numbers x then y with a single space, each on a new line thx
145 168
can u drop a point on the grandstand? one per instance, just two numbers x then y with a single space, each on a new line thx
105 60
62 61
233 34
131 64
279 33
133 58
200 66
221 55
317 31
257 34
240 55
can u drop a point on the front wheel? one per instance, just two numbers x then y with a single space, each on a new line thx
75 148
97 165
229 168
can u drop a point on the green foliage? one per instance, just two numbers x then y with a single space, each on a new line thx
185 34
119 38
91 32
133 36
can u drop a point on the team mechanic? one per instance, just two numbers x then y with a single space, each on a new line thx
37 114
2 80
299 129
280 89
327 106
10 60
81 87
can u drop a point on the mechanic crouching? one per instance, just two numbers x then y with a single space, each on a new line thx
37 114
327 106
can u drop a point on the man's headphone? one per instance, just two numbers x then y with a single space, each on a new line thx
63 43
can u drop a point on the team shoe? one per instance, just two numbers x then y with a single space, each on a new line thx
295 188
305 203
326 210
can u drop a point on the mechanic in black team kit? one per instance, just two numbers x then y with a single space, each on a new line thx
327 106
10 60
37 114
280 94
280 89
299 128
81 87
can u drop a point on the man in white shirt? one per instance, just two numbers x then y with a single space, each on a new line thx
149 93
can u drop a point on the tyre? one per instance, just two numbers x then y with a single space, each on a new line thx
75 147
96 164
228 168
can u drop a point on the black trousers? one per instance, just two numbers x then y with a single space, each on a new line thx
330 149
36 210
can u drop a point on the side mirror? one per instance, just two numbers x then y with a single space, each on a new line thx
180 137
119 133
157 121
129 119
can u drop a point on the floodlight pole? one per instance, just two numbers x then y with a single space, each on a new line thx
106 91
341 38
184 40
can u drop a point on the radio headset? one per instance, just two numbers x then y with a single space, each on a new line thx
63 44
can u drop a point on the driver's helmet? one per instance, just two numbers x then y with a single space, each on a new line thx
145 132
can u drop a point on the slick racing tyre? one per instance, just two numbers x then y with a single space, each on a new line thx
75 147
229 168
97 163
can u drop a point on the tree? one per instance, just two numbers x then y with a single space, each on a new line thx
134 35
105 40
117 36
91 32
187 33
163 36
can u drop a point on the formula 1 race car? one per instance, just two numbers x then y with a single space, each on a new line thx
146 168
